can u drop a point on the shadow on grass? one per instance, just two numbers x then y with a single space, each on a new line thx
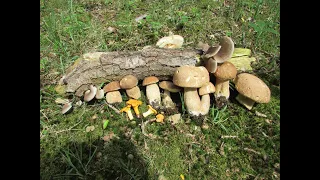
115 159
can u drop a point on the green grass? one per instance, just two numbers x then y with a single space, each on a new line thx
237 144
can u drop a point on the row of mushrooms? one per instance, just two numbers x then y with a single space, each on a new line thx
194 80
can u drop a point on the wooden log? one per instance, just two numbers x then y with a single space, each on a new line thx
96 68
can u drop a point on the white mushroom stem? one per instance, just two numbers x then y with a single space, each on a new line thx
129 113
166 100
153 95
246 102
205 104
192 101
222 88
100 94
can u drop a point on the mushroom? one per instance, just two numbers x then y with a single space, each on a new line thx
135 104
152 91
127 110
113 95
129 83
204 91
90 94
224 73
226 50
211 65
100 94
251 89
191 78
170 42
66 108
168 87
212 50
203 46
160 118
150 111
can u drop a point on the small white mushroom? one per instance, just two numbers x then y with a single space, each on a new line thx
66 108
90 94
100 94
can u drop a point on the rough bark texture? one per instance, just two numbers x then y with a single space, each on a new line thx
110 66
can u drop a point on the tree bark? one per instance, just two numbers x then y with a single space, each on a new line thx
111 66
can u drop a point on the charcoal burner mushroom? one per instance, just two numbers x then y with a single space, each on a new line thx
168 88
191 78
170 42
251 89
66 108
225 72
129 83
99 94
152 91
226 50
112 93
90 94
204 92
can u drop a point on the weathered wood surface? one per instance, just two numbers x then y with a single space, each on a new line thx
109 66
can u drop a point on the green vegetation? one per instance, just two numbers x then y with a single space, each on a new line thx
237 144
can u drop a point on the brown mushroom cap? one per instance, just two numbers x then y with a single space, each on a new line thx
149 80
226 50
191 76
112 86
203 46
226 71
252 87
129 81
169 86
134 92
207 88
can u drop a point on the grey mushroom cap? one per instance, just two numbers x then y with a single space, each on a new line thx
211 65
213 50
90 94
66 108
226 50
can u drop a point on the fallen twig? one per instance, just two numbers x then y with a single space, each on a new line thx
251 150
112 107
225 137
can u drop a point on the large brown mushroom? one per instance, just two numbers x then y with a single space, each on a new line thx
130 84
191 78
152 91
112 93
251 89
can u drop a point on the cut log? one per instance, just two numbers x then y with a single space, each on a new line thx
100 67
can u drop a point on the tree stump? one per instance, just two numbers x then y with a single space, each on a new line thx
99 67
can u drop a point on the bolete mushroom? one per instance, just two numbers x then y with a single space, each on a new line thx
90 94
129 83
251 89
170 42
152 91
127 110
168 88
226 50
225 72
135 104
204 92
112 93
191 78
